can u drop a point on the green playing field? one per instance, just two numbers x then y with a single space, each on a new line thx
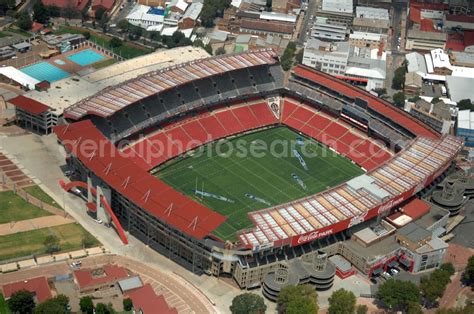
254 171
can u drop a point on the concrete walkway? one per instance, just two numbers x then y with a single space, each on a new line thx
33 224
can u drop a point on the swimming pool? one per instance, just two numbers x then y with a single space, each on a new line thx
44 71
86 57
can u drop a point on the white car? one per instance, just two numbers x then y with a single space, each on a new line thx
394 271
76 264
98 221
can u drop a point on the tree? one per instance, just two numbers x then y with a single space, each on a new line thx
6 5
70 10
135 32
397 294
24 21
21 302
86 35
99 13
380 91
115 42
399 99
465 104
220 51
51 242
299 56
448 267
398 81
212 9
248 303
86 305
123 25
362 309
155 36
469 271
432 287
103 22
127 304
414 99
101 308
57 305
298 299
286 59
435 100
53 10
40 12
468 309
208 48
414 308
342 301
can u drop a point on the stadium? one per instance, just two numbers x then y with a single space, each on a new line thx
147 158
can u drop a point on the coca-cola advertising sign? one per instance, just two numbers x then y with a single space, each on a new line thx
345 224
313 236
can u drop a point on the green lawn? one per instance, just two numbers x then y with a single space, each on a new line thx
128 50
3 305
103 64
37 192
18 31
31 242
14 208
270 177
3 34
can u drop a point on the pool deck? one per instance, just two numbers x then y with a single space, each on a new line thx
69 66
66 92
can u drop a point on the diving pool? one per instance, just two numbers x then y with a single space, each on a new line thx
44 71
86 57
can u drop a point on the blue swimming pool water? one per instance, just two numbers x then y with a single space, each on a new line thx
44 71
85 57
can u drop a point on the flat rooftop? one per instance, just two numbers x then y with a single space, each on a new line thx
68 91
435 214
376 250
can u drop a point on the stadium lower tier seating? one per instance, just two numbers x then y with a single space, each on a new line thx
334 134
188 134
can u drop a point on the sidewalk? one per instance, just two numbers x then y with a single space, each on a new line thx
33 224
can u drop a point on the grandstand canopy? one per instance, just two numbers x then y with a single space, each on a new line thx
106 102
98 154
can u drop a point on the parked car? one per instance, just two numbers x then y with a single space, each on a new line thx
76 264
373 280
98 221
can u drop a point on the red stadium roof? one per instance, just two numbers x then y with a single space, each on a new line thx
375 103
29 105
99 155
39 286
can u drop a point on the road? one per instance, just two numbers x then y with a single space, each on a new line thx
312 6
396 56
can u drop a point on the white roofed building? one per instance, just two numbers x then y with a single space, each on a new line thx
338 6
367 40
327 57
465 127
372 13
338 11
